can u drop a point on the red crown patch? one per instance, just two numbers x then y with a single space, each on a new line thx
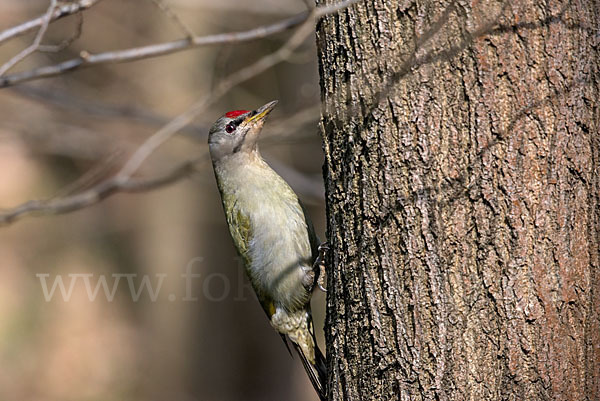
235 113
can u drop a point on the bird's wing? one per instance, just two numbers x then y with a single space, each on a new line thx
240 229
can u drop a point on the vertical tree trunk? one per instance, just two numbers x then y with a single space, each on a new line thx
462 175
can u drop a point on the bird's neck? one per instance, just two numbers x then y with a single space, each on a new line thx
241 169
239 161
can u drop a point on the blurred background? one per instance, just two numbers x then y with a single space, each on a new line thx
206 340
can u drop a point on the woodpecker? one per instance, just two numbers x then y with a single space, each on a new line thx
271 231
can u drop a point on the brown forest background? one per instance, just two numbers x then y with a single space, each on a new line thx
490 107
61 135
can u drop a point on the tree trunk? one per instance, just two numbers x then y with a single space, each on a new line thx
462 176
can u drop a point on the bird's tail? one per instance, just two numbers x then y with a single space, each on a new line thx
297 327
317 372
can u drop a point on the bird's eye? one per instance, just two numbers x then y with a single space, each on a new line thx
230 128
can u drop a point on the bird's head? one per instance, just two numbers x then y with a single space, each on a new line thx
237 131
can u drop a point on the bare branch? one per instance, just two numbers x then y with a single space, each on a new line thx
36 42
96 194
61 11
87 60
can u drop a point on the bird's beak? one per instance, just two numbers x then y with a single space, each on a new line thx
254 122
260 114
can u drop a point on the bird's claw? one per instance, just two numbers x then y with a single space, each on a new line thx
319 267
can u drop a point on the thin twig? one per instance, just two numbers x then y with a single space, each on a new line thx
104 168
87 59
61 11
171 14
36 42
66 42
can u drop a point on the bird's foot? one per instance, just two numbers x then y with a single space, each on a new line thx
319 267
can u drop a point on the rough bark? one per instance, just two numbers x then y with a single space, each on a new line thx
462 175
